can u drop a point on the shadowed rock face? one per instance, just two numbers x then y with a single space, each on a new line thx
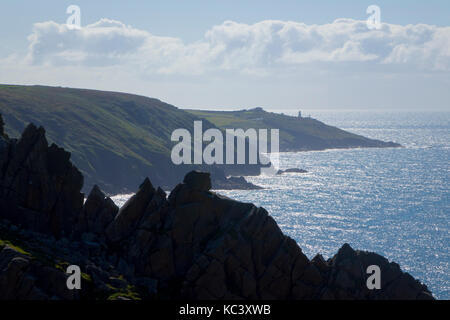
193 244
40 188
22 278
4 146
97 213
200 245
2 127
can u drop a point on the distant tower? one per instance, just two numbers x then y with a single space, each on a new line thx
299 114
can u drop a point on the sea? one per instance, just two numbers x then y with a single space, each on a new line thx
392 201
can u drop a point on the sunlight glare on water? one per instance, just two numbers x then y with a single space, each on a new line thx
392 201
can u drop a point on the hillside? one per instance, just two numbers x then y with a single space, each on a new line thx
296 134
193 244
114 138
117 138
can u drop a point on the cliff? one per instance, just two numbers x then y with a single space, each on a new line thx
130 135
296 133
191 244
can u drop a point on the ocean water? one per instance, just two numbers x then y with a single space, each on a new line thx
393 201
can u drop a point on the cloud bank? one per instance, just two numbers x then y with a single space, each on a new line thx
263 48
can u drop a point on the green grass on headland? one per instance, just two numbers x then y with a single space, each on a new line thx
118 139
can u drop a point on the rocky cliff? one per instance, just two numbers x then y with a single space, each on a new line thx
191 244
130 135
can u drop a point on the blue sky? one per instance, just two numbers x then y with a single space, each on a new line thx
183 52
189 19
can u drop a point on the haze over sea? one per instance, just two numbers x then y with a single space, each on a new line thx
392 201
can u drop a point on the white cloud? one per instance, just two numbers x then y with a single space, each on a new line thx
429 47
258 49
105 42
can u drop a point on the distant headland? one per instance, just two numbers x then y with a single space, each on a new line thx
129 135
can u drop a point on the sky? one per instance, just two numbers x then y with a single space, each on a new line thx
236 54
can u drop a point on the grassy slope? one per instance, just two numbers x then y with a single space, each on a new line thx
106 132
295 133
117 139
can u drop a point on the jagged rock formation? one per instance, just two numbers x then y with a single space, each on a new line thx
40 187
23 278
2 129
193 244
139 144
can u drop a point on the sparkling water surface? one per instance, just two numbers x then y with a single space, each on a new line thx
392 201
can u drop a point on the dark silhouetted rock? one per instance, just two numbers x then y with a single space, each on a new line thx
40 186
4 147
200 245
347 278
2 128
24 279
198 181
193 244
98 212
130 214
